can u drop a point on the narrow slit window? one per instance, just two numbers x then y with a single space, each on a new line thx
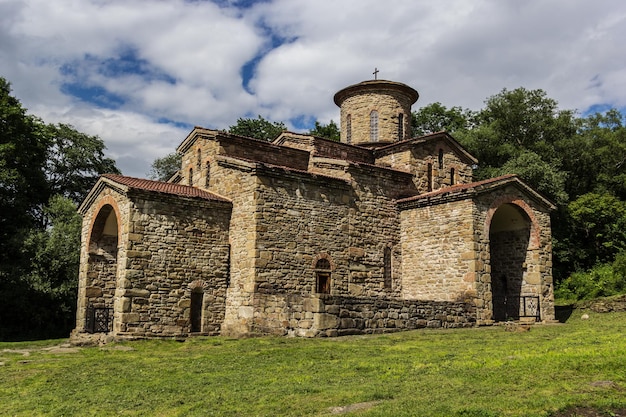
196 310
440 158
349 129
199 159
207 178
400 126
190 180
387 267
429 177
452 176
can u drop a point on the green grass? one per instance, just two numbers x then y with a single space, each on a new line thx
481 372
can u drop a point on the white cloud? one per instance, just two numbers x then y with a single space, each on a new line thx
192 56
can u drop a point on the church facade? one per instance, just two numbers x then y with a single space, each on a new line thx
308 237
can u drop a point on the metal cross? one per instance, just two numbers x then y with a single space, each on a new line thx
375 73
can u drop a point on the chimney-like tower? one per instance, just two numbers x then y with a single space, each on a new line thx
375 113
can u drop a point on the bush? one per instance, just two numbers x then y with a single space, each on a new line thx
600 281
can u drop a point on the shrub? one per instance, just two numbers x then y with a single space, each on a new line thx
602 280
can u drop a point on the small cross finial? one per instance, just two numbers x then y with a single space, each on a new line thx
375 73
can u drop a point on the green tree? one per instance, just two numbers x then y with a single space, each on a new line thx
599 226
436 117
23 186
45 170
74 162
542 176
258 128
54 262
163 169
515 121
329 131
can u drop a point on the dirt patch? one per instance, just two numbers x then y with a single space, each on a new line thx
589 412
353 407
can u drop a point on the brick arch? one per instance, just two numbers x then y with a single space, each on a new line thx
198 284
104 201
514 200
326 256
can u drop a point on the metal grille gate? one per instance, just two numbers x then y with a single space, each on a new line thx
98 319
529 307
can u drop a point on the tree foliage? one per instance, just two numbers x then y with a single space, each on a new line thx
329 131
436 117
45 171
163 169
258 128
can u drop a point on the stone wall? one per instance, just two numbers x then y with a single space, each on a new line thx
537 266
418 158
300 219
102 256
335 315
324 148
174 245
233 179
439 257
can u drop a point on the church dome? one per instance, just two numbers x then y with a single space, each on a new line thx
375 112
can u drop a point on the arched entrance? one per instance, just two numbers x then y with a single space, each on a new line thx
509 237
101 271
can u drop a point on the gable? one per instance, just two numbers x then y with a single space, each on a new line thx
424 144
474 189
123 185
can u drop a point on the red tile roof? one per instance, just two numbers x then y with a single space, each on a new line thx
163 187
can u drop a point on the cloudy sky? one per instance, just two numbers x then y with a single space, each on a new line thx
140 74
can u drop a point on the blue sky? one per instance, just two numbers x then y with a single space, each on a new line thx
140 74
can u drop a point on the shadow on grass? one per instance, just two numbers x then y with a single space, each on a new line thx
563 313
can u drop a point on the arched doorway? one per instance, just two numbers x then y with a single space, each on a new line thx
509 237
102 270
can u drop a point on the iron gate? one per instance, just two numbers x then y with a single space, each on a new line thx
98 319
529 307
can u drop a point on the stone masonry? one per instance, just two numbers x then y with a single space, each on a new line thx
309 237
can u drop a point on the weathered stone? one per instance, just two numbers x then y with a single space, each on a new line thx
310 237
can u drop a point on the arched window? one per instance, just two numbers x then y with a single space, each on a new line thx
400 126
440 158
452 176
374 126
190 180
349 129
199 160
322 276
208 173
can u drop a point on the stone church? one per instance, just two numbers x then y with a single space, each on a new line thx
309 237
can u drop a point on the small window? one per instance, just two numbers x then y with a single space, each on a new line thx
387 267
190 181
400 126
429 177
322 276
208 173
199 160
440 158
374 126
452 176
349 129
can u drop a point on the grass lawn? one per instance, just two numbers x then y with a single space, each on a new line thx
479 372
